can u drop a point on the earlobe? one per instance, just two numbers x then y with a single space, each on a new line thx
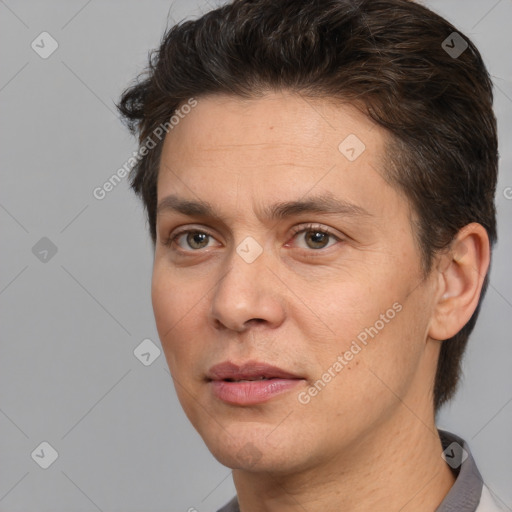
461 272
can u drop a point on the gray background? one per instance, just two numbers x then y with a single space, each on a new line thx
70 324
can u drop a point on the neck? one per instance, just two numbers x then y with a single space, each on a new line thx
397 466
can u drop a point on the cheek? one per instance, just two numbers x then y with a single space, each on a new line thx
166 306
175 308
348 310
391 352
174 295
369 382
374 325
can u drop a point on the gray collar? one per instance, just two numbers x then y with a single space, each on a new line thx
465 493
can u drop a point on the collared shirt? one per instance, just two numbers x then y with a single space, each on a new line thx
468 493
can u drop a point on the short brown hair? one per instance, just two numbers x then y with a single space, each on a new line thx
390 56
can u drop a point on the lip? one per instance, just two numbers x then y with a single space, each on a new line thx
235 384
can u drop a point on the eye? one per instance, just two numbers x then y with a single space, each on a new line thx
315 237
307 237
190 240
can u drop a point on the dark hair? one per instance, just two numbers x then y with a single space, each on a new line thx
395 59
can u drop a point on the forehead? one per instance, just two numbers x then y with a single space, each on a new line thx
286 121
280 146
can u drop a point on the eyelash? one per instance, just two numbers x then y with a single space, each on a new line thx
317 229
297 230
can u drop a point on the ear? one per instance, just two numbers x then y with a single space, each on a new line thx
460 275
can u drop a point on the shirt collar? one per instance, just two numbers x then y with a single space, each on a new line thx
465 493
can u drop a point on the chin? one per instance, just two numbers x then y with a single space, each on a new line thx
251 459
252 451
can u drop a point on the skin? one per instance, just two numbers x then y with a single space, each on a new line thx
368 439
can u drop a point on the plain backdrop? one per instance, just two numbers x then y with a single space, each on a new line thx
75 274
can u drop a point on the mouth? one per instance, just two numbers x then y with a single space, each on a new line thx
248 380
250 383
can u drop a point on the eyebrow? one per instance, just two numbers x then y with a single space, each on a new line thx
319 204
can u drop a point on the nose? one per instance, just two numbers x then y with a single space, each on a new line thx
247 294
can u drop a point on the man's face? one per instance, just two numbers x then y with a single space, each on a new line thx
260 280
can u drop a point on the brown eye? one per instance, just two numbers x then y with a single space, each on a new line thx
317 239
314 237
190 240
197 239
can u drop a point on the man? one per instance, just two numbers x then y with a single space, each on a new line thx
322 212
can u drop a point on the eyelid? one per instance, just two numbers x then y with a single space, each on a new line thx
311 226
315 227
319 228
